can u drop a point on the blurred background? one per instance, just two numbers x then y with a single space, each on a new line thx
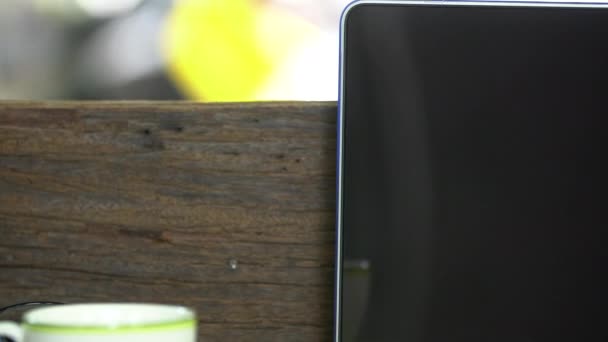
203 50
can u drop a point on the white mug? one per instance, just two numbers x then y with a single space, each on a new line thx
104 323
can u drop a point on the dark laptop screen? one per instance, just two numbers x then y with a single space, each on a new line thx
474 174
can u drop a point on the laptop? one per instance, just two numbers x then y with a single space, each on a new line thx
472 195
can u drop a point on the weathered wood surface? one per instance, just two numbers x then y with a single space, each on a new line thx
144 201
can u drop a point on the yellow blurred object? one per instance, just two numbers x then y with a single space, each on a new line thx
227 50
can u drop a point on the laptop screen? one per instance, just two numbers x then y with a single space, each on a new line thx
474 197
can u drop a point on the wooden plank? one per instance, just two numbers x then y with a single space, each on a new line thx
156 202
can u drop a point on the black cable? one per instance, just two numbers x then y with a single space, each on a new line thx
27 304
6 339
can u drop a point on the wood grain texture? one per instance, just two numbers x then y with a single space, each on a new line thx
145 201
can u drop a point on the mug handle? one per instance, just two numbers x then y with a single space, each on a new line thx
11 330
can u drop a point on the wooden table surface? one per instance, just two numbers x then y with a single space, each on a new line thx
227 208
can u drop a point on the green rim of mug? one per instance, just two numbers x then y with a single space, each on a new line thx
58 329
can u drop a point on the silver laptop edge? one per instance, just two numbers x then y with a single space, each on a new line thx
338 259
